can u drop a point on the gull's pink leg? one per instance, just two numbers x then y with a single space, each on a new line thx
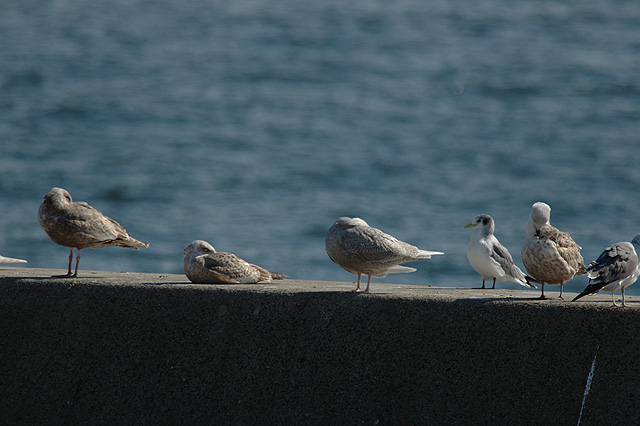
543 297
561 285
75 274
368 283
358 287
70 261
69 268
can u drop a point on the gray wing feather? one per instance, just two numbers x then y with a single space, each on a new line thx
501 255
372 244
615 262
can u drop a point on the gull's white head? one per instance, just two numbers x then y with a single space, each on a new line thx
484 222
540 214
199 247
349 222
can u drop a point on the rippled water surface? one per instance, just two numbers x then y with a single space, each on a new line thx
255 124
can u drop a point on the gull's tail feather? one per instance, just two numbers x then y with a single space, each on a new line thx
426 254
398 269
529 281
591 289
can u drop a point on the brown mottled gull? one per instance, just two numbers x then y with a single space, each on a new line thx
615 269
204 265
489 258
10 260
75 224
360 249
550 256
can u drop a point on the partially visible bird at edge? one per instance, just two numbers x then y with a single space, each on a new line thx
10 260
615 269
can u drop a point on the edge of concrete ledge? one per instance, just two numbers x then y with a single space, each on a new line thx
523 296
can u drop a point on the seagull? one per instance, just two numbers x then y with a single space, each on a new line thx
490 258
10 260
360 249
204 265
615 269
75 224
550 256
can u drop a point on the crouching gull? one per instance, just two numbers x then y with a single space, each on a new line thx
361 249
488 257
204 265
615 269
549 256
75 224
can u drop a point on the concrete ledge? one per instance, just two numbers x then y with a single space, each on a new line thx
115 348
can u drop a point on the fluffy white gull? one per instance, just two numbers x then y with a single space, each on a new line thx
204 265
549 256
615 269
488 257
10 260
360 249
75 224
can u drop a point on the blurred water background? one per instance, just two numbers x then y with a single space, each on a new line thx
254 124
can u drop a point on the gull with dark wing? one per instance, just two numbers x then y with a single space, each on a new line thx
615 269
550 256
204 265
488 257
10 260
361 249
75 224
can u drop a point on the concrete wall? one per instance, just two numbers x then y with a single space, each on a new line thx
147 349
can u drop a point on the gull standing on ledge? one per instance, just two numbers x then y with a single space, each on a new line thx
615 269
360 249
204 265
10 260
490 258
550 256
78 225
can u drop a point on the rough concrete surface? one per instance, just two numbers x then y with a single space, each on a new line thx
124 348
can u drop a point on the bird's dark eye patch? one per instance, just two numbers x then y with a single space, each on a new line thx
485 221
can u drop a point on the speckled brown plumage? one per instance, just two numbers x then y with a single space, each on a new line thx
78 225
203 265
549 255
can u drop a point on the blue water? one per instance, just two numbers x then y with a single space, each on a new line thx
254 124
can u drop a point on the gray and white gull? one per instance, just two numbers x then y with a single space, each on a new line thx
614 270
361 249
488 257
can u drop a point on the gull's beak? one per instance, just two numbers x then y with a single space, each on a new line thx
469 225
